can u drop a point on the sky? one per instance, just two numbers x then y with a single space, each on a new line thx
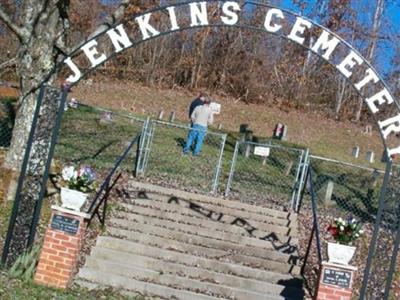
390 26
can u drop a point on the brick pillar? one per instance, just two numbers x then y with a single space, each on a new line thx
62 243
335 282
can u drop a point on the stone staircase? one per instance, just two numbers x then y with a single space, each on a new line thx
168 244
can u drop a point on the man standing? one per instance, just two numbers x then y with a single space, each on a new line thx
197 102
201 117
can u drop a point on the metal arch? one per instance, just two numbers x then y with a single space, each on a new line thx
255 3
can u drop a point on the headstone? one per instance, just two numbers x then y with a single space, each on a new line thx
329 192
161 115
172 117
106 117
284 133
356 152
220 126
247 150
368 129
281 131
371 156
278 130
243 128
73 103
248 136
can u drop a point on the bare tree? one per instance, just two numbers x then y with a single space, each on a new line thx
41 27
376 23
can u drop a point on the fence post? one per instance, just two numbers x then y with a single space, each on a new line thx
301 181
148 145
141 145
232 170
219 165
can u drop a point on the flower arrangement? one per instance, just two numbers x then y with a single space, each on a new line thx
82 179
345 231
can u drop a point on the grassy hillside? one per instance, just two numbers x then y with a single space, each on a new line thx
323 136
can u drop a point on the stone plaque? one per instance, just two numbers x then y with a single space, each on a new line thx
66 224
337 278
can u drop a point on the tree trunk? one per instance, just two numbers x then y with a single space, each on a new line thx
340 96
372 47
36 60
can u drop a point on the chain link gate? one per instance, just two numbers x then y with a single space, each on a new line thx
162 159
266 172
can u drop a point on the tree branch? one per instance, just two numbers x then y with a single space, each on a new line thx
8 63
110 20
18 31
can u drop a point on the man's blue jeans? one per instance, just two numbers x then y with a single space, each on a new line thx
196 135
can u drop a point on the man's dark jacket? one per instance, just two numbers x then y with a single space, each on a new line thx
196 102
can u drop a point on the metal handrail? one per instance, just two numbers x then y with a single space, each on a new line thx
105 188
315 230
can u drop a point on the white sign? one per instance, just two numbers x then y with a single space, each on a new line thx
215 107
262 151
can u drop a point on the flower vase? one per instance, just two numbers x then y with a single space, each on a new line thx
72 199
340 254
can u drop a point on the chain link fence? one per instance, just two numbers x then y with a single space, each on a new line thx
384 277
96 137
344 189
265 173
165 163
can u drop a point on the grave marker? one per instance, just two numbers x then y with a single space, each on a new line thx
356 152
371 156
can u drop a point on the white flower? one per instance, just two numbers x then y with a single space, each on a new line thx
69 173
341 227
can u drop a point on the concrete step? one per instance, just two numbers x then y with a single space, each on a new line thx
162 193
134 229
171 255
147 289
282 288
223 206
177 281
234 235
187 217
221 255
211 211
